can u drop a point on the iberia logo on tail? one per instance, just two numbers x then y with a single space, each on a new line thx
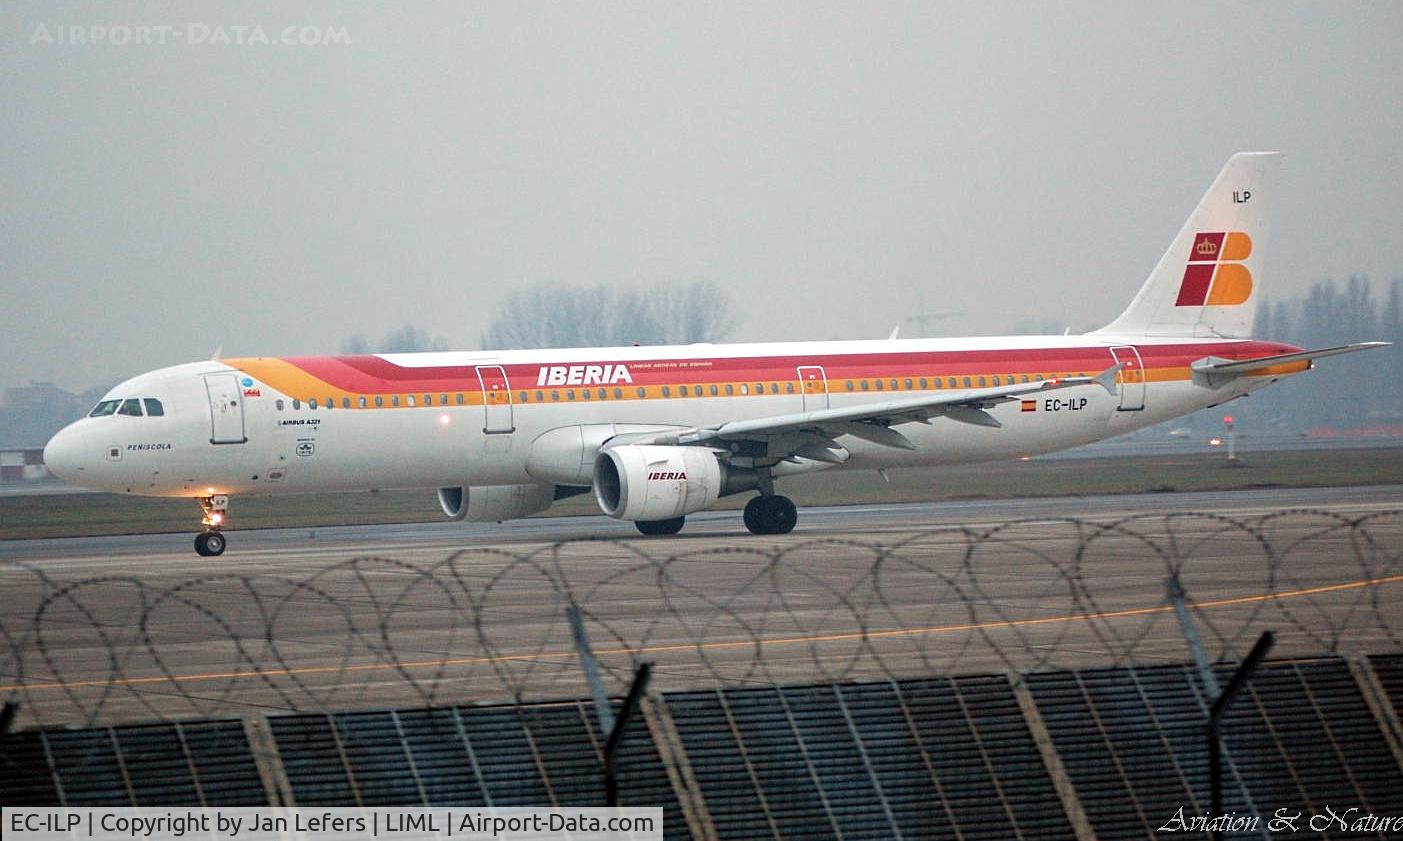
1215 274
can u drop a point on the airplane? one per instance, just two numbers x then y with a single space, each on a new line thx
657 433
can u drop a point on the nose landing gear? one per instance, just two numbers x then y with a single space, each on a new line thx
211 541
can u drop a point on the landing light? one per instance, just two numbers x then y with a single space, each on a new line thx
1025 458
1215 442
444 419
216 518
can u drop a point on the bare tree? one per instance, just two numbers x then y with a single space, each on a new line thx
594 316
406 339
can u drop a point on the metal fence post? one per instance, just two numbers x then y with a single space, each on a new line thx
616 735
1215 718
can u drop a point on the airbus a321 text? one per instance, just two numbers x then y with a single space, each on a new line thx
657 433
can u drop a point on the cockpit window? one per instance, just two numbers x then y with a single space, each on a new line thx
153 407
104 408
130 406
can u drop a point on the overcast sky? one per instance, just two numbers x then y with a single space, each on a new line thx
837 167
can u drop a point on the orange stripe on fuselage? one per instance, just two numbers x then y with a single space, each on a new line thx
353 378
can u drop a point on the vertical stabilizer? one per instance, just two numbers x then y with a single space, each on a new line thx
1209 281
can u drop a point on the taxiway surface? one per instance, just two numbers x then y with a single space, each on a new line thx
138 627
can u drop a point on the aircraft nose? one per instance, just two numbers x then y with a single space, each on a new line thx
63 455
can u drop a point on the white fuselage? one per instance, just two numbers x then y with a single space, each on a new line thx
263 426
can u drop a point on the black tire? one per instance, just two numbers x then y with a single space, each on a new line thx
771 515
210 544
656 528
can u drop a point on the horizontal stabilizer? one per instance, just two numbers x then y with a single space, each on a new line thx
1217 371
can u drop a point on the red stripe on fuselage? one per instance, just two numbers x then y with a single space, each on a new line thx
373 375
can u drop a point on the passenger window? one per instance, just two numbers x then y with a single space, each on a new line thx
878 384
864 385
730 389
460 398
296 404
555 395
618 394
345 402
849 385
604 393
154 408
409 400
584 394
967 382
642 392
789 388
443 399
360 402
949 382
923 383
279 404
104 408
744 388
1025 378
569 394
774 388
379 401
429 400
996 381
394 400
331 402
311 403
714 391
130 406
759 388
682 390
667 391
540 397
908 384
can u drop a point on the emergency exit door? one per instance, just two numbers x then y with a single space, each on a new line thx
814 383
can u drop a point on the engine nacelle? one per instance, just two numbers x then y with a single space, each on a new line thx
650 482
494 503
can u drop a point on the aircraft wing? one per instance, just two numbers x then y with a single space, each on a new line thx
809 434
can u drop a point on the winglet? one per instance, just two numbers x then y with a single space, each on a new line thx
1107 378
218 352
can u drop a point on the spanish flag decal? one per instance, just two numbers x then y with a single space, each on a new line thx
1029 405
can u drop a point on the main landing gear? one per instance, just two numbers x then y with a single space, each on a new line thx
211 541
771 514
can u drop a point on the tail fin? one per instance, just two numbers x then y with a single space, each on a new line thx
1207 283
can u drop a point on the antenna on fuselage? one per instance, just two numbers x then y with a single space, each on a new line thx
218 351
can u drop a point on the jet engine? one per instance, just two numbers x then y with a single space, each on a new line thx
494 503
650 482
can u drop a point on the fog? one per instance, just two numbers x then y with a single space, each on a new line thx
836 168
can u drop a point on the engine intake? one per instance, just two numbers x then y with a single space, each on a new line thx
650 482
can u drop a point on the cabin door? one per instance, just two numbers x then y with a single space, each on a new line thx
226 409
496 399
1131 379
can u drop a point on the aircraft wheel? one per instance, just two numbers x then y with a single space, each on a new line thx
210 543
771 515
653 528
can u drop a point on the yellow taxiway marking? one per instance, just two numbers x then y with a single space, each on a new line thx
712 646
